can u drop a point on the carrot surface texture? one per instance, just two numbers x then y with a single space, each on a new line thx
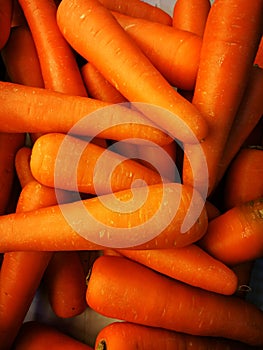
126 290
236 235
127 68
226 62
105 220
175 53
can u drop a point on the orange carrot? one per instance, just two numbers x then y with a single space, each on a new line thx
191 15
85 167
32 109
127 68
259 55
123 289
22 165
188 264
236 235
130 336
98 87
35 335
226 62
5 21
100 223
58 64
248 116
175 53
138 9
9 145
20 58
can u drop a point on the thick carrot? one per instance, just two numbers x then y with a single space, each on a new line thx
20 58
191 15
145 222
127 68
259 55
123 289
138 9
32 109
175 53
5 21
85 167
236 235
58 63
98 87
243 181
226 62
35 335
248 116
131 336
9 145
190 264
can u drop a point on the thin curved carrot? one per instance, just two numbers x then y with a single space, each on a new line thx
149 219
138 9
126 65
38 336
130 336
236 235
5 21
125 290
243 180
174 52
218 93
58 63
191 15
98 87
22 165
31 109
190 264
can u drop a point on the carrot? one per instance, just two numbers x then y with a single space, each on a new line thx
226 62
58 63
175 53
259 55
125 290
9 144
130 336
99 223
126 65
20 58
188 264
5 21
191 15
32 109
22 165
65 283
85 167
236 235
38 336
98 87
243 180
138 9
248 116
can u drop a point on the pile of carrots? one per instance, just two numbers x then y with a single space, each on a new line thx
152 124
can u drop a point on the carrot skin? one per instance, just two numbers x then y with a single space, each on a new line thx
5 21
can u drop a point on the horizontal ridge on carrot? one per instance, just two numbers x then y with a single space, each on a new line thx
127 68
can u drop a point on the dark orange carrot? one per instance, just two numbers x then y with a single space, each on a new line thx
127 68
243 181
111 220
191 15
236 235
22 165
139 9
58 63
130 336
31 109
218 93
73 164
123 289
5 21
35 335
175 53
98 87
20 58
191 265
